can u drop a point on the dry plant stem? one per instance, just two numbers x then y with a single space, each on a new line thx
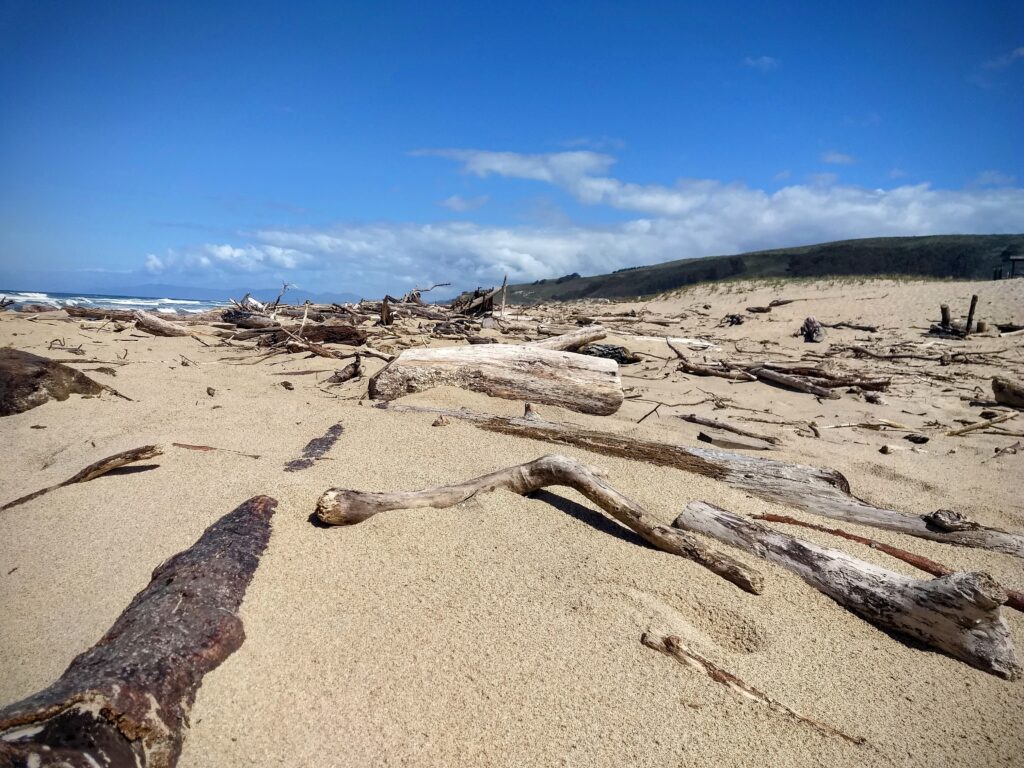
1014 599
95 470
816 490
958 613
511 371
338 506
673 646
125 702
716 424
981 424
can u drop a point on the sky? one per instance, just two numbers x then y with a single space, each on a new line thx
372 147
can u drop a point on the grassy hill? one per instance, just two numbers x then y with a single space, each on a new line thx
939 256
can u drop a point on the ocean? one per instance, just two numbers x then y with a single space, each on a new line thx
149 303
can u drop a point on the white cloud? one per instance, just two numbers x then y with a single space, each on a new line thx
762 63
782 175
153 264
837 158
461 204
594 142
897 173
693 217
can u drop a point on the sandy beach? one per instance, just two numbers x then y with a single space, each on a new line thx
506 630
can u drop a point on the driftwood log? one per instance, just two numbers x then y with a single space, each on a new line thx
511 371
812 489
157 326
338 506
693 418
1008 392
793 382
958 614
572 340
28 380
125 702
94 470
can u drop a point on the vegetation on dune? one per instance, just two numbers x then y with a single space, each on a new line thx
937 256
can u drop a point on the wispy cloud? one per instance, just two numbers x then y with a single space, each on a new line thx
762 63
897 173
462 204
594 142
993 179
782 175
693 217
1002 62
837 158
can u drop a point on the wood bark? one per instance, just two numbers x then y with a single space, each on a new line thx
125 702
157 326
338 506
816 490
94 470
732 444
514 372
693 418
946 318
958 614
970 316
573 340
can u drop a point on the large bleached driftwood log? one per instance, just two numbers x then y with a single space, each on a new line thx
572 340
511 371
338 506
157 326
958 614
125 701
816 490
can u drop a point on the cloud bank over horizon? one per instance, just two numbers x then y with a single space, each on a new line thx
689 219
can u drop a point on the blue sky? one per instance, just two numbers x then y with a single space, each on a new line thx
367 147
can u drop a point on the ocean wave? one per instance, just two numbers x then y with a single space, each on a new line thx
164 305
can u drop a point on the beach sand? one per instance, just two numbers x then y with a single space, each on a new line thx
506 630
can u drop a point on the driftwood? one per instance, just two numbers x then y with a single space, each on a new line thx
351 371
321 334
693 418
615 352
812 331
511 371
205 448
315 449
673 646
722 372
572 340
982 424
157 326
94 470
1014 599
732 444
852 326
126 701
815 490
96 313
958 614
1008 392
338 506
247 319
793 382
28 380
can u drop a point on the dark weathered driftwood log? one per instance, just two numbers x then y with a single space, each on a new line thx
722 372
970 316
1008 392
673 646
125 702
812 330
94 470
157 326
958 614
510 371
315 449
732 443
815 490
339 506
244 319
320 334
1014 599
28 380
98 313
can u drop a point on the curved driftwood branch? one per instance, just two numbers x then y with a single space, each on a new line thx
958 614
94 470
338 506
511 371
126 700
816 490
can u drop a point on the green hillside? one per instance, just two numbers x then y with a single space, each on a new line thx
939 256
